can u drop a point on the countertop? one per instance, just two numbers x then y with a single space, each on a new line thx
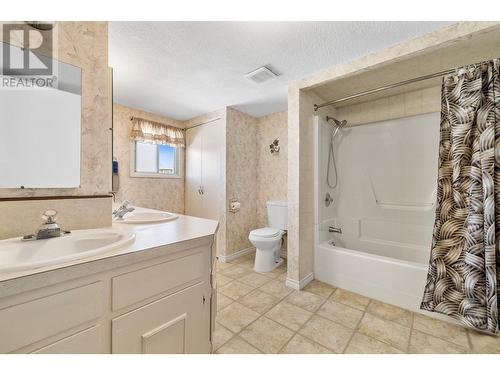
147 237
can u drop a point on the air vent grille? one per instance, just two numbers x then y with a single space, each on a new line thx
261 75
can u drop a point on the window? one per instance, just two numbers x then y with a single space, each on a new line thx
152 160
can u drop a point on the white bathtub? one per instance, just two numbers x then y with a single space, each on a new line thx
395 281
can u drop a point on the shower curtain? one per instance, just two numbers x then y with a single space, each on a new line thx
464 272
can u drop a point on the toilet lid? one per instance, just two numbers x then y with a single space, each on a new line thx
266 232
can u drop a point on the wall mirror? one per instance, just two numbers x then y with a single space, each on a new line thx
40 127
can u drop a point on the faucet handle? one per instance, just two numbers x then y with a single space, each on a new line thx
50 216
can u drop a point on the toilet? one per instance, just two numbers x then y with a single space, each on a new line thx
267 241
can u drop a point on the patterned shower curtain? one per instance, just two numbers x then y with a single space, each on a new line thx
464 272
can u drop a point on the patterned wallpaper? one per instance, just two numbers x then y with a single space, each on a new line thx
272 169
253 175
166 194
241 178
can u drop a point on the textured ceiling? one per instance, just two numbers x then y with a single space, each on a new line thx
184 69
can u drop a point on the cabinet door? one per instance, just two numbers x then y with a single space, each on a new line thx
211 172
179 323
193 199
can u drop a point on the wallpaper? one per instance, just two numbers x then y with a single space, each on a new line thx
241 178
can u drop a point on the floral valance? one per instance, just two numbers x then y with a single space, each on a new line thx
157 133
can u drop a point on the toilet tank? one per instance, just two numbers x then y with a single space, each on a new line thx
277 215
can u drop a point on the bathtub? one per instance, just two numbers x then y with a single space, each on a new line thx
397 281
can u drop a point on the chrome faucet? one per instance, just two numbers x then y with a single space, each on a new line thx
334 230
122 210
49 229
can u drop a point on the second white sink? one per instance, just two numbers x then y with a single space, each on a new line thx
144 217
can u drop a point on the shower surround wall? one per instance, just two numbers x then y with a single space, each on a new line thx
166 194
83 44
460 44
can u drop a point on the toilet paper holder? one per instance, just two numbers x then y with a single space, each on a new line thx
234 205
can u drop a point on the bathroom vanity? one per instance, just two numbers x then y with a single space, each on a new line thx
151 295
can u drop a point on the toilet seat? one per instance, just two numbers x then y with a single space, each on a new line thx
266 233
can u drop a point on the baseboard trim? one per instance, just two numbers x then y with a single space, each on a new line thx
299 285
240 253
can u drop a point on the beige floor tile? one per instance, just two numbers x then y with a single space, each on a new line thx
266 335
247 265
301 345
254 279
327 333
391 333
259 301
235 289
221 336
321 289
352 299
222 280
223 301
246 261
281 277
390 312
483 343
361 344
234 271
245 258
437 328
305 300
422 343
236 317
339 313
289 315
222 265
276 288
274 274
237 346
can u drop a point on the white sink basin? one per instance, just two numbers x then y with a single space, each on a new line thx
19 255
143 217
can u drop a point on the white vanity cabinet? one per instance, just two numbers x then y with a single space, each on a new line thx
156 303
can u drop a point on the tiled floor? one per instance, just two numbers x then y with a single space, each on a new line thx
257 313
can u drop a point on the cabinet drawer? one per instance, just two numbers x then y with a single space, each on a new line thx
139 285
84 342
179 323
38 319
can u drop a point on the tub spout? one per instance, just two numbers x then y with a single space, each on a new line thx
335 230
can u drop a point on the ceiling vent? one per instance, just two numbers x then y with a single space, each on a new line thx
261 75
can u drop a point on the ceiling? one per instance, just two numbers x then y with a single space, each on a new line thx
184 69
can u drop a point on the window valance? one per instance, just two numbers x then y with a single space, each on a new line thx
157 133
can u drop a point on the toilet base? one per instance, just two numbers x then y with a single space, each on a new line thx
265 261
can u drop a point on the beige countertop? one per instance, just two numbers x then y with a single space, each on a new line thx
172 235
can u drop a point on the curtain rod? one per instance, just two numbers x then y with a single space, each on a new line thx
382 88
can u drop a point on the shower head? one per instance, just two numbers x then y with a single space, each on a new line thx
337 123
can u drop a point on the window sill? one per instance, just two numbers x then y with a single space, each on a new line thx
154 175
